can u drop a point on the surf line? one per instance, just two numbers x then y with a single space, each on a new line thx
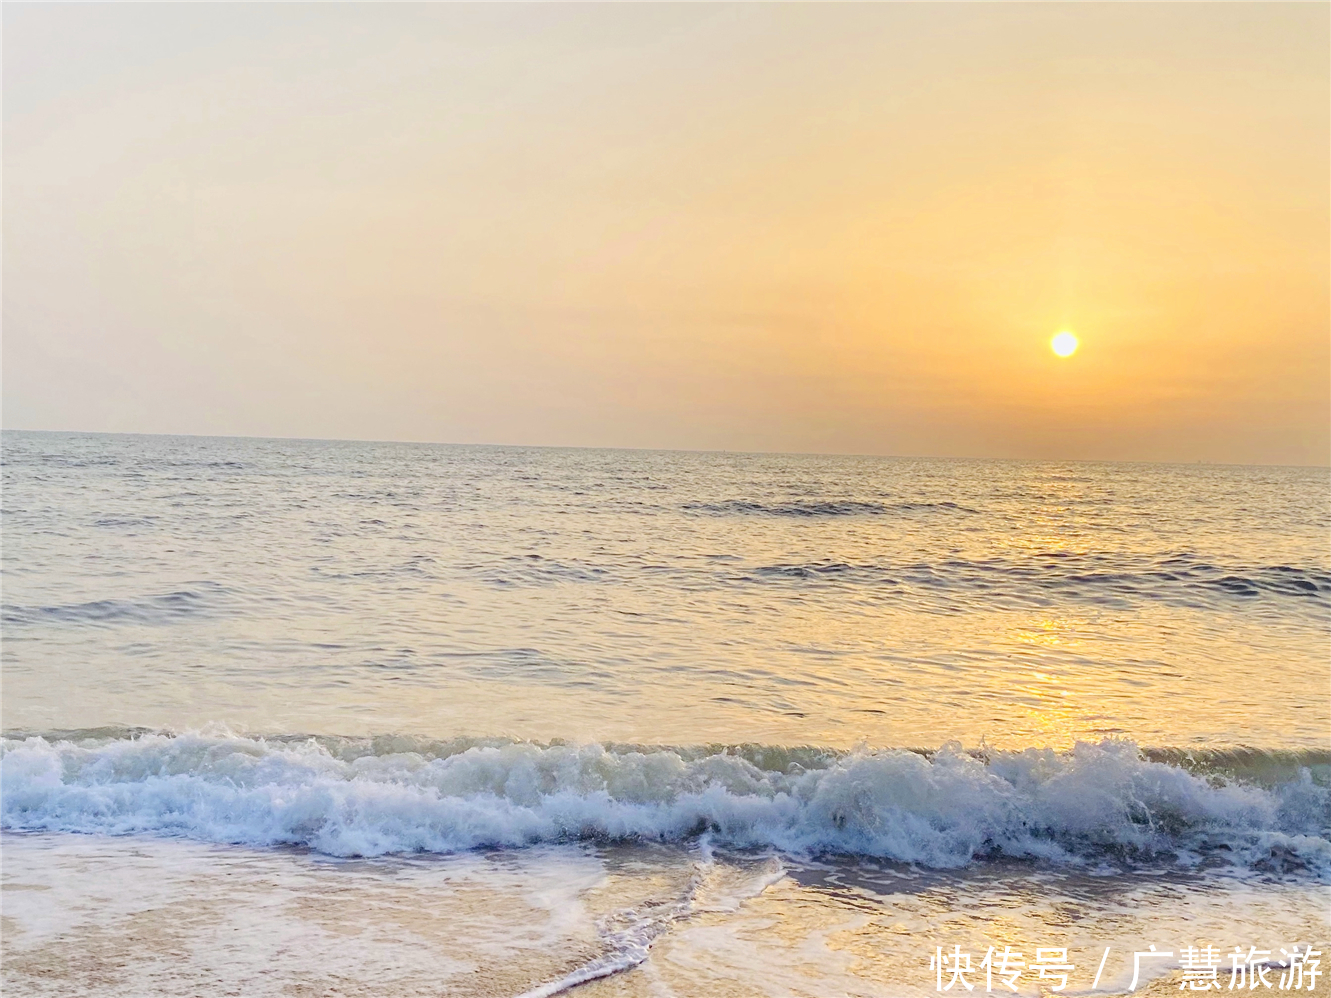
631 945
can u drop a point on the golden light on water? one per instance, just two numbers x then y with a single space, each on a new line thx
1064 344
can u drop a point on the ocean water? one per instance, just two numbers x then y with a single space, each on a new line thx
301 717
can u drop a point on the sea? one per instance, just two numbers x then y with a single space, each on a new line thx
298 718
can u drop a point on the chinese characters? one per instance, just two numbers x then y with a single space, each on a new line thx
1203 968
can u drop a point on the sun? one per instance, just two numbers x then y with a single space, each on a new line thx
1064 344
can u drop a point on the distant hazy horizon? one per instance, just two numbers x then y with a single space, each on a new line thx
663 450
747 228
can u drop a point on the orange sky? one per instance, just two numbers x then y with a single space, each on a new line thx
799 227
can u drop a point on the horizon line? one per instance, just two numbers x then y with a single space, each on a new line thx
669 450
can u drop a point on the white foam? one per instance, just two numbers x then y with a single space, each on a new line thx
943 810
625 950
628 935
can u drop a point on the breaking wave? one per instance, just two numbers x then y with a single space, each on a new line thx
946 808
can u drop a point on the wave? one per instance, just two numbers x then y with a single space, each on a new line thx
1263 767
159 608
1094 578
835 507
946 808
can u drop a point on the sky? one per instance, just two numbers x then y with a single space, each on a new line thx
812 228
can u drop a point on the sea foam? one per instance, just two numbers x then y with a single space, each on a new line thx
945 808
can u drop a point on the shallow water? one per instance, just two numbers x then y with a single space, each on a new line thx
704 724
132 916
